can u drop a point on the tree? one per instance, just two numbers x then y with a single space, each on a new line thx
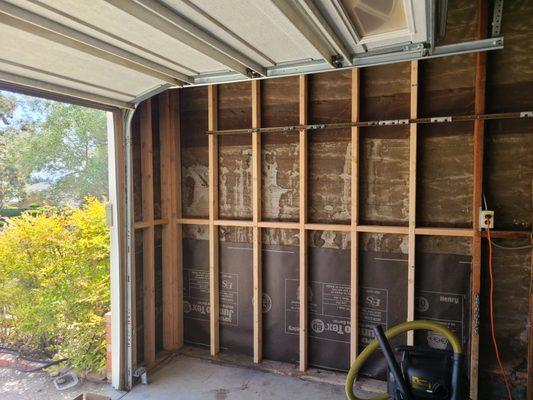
62 145
69 151
12 182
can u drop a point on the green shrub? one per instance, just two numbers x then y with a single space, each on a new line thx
54 283
10 211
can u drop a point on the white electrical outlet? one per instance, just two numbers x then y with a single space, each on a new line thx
486 219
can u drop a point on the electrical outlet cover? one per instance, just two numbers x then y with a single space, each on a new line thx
483 216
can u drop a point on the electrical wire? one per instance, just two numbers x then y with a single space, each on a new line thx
492 329
526 247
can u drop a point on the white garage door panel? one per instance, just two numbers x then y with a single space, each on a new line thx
26 49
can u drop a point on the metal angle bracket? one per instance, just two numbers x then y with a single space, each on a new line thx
497 18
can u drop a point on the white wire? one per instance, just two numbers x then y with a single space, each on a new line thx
512 248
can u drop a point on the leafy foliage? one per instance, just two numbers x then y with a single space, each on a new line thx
54 283
63 145
12 183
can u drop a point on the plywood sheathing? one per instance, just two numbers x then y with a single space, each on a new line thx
384 177
235 152
512 274
510 70
385 92
280 152
445 176
194 168
509 171
329 183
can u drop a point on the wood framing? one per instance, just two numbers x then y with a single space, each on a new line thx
530 336
256 207
213 215
192 221
303 219
171 240
166 209
178 237
172 220
279 225
354 252
147 177
411 252
477 194
397 230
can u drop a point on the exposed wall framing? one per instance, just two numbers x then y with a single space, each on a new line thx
360 95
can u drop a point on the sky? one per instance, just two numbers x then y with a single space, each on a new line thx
23 108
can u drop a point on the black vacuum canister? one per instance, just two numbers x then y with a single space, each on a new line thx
427 371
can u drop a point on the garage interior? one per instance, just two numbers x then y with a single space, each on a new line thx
268 213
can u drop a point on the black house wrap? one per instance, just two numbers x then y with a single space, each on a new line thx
383 300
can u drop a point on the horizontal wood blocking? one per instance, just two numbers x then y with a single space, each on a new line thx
399 230
192 221
147 224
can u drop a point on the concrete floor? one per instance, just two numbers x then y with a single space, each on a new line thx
15 385
185 378
181 378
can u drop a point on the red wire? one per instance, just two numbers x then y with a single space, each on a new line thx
492 329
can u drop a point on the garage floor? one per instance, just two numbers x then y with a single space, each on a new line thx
180 378
186 378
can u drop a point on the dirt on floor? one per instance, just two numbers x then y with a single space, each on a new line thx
16 385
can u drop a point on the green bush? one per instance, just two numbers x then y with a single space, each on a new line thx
54 283
10 211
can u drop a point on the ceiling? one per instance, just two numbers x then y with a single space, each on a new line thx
118 52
